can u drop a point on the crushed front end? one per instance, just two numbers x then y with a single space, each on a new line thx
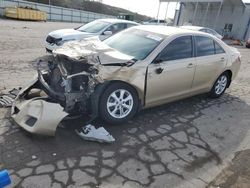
69 82
61 87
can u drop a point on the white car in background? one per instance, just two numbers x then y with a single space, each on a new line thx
158 22
203 29
102 28
155 22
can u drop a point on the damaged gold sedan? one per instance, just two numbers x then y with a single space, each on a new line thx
141 67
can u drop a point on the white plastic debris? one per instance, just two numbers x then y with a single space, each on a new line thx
89 132
6 100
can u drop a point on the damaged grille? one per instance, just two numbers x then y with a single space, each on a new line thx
52 40
67 67
71 79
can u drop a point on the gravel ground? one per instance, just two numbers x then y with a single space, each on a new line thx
183 144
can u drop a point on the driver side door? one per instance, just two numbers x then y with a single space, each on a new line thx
171 75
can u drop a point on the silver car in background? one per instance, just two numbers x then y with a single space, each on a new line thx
102 28
203 29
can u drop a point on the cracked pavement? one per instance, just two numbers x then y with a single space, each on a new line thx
182 144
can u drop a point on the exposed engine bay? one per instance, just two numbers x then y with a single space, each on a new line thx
69 82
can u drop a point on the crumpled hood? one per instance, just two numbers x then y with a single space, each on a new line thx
92 49
69 34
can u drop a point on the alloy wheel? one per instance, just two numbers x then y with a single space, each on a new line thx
221 84
120 103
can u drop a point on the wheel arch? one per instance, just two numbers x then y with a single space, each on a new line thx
230 74
100 88
140 93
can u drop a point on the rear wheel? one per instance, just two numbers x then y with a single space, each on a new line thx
220 85
118 103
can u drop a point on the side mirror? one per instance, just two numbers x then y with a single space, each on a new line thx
107 33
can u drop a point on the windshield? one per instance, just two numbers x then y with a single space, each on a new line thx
135 42
94 27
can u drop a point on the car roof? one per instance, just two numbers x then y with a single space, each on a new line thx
197 28
167 30
111 20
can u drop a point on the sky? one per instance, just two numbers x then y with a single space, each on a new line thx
146 7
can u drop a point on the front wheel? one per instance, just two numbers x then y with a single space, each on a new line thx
220 86
118 103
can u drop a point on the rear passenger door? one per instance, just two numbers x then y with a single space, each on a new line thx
211 60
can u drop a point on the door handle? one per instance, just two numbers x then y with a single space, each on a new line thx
222 59
190 65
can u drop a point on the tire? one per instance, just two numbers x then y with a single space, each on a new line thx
115 109
220 85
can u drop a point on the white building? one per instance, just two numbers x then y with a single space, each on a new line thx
228 17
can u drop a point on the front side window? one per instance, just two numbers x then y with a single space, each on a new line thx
204 46
179 48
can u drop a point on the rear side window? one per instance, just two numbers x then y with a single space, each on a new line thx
130 25
179 48
218 48
117 27
204 46
212 32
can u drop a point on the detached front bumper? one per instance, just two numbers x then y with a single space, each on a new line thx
37 115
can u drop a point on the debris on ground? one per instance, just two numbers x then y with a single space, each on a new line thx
237 42
233 42
6 100
4 178
89 132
